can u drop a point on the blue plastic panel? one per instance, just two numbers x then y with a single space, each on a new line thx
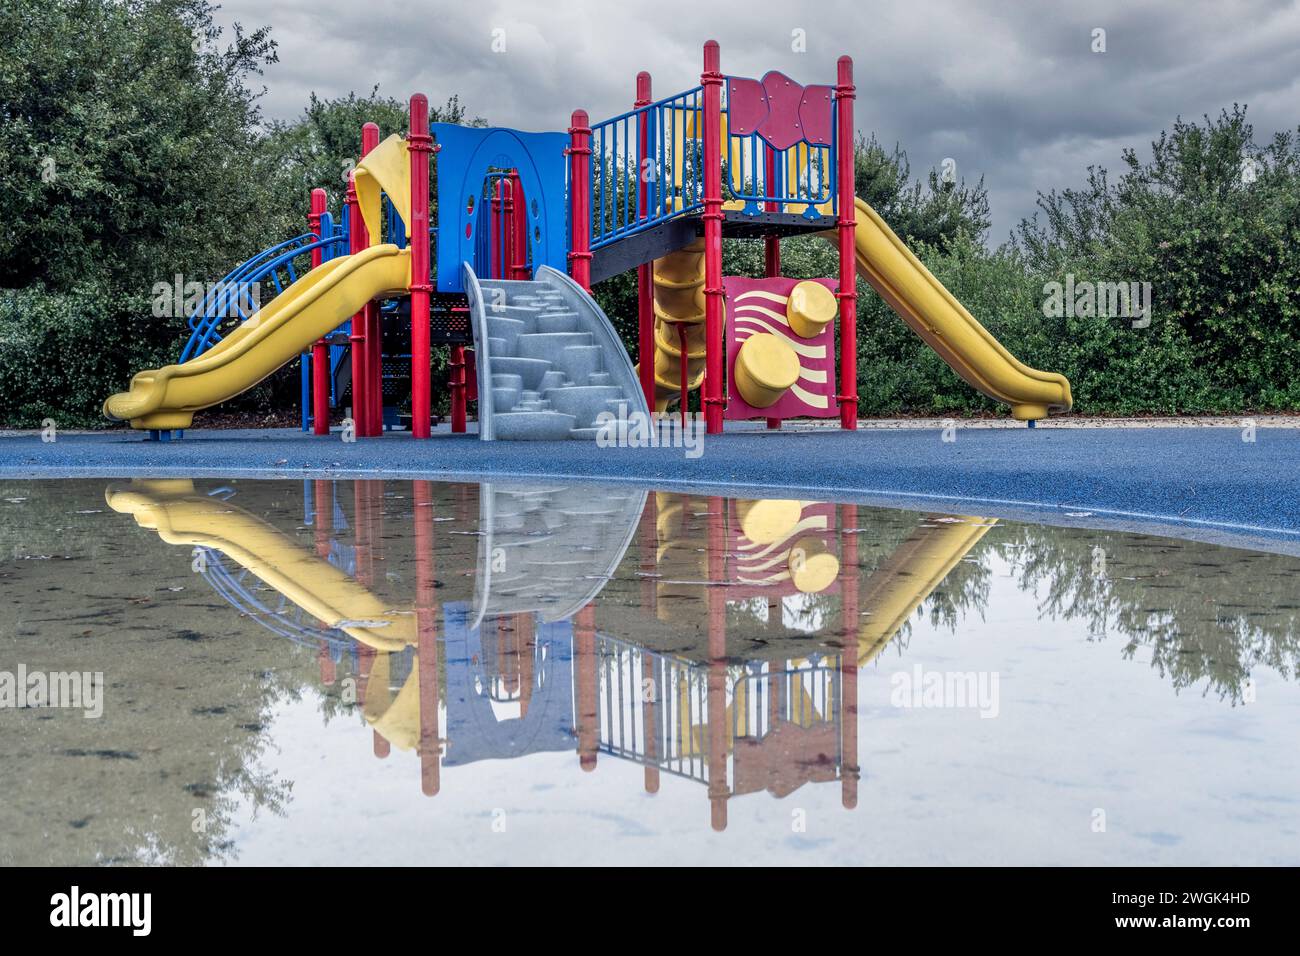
465 157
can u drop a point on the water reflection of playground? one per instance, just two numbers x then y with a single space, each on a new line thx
728 656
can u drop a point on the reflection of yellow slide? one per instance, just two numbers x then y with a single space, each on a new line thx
312 307
910 574
934 314
182 516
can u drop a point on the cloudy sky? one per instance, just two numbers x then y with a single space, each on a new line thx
1012 91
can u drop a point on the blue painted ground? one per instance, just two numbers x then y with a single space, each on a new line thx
1197 482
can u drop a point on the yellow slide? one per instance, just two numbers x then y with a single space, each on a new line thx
180 515
312 307
937 317
679 307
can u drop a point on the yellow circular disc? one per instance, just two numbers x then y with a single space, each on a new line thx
812 567
769 519
811 308
765 367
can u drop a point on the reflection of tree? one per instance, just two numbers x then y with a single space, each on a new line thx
1202 612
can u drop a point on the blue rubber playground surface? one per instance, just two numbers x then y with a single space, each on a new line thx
1204 483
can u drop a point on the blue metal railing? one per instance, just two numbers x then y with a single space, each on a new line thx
236 295
669 156
671 152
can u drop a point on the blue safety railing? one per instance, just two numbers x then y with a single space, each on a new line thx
237 296
669 156
803 175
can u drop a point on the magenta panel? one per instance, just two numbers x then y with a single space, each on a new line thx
759 305
782 129
747 105
815 114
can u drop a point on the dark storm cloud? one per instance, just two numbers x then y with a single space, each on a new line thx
1012 91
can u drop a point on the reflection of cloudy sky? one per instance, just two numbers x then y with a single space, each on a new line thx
1012 92
1183 778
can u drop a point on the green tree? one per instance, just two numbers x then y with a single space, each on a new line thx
1210 220
129 153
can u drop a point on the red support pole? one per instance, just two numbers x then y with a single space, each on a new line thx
845 94
419 145
645 307
508 225
580 198
711 80
358 239
771 244
519 246
320 352
496 232
373 345
459 385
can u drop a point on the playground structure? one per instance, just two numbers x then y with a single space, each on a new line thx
536 650
527 222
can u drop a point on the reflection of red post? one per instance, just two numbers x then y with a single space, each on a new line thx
580 198
374 341
323 524
419 145
323 518
648 546
848 293
717 687
426 623
326 665
526 632
360 532
849 771
711 80
358 239
645 308
584 659
650 719
320 353
772 243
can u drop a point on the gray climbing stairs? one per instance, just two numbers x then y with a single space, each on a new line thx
549 362
549 548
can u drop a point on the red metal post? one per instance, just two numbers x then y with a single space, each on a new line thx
459 387
580 198
519 244
645 307
419 145
320 353
373 345
496 231
711 80
771 244
845 94
358 239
